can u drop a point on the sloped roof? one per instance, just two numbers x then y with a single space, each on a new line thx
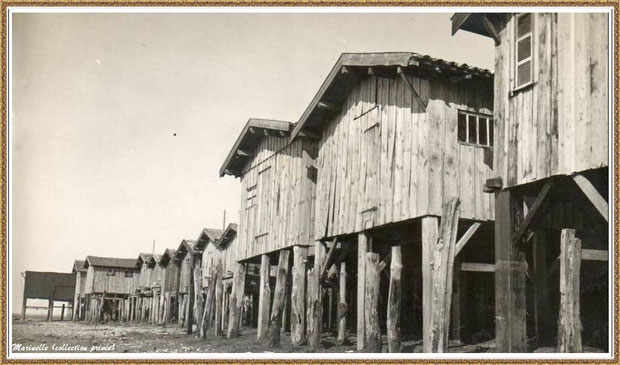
184 247
78 266
145 257
473 22
251 135
207 235
229 235
346 72
110 262
168 254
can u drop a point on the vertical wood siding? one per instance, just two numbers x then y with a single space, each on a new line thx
558 126
280 215
385 159
98 280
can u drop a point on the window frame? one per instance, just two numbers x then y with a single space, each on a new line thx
478 116
515 49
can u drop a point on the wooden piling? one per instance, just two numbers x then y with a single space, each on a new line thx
218 299
430 233
394 299
198 303
569 320
264 298
189 318
279 300
362 248
442 273
25 301
371 302
541 303
236 302
62 312
50 309
342 304
510 267
313 319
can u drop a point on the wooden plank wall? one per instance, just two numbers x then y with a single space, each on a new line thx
184 282
281 216
98 280
559 125
170 278
385 159
146 276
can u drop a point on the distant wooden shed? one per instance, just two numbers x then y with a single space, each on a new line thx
52 286
80 283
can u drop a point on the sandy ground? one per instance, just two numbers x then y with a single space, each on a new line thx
37 335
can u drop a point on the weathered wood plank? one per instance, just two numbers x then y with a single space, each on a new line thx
371 315
275 322
298 303
569 320
264 298
430 234
342 304
362 249
394 301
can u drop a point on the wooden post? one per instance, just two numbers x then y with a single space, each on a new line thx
24 302
225 308
313 314
218 299
236 302
198 303
371 302
362 248
510 266
208 310
457 301
342 304
298 313
442 272
541 302
177 303
430 233
569 320
275 322
264 298
394 297
189 319
50 309
62 312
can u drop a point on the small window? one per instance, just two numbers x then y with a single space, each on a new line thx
475 129
111 272
524 50
128 274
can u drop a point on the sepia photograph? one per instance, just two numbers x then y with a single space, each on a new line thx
388 183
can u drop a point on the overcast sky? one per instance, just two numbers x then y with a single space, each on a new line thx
120 122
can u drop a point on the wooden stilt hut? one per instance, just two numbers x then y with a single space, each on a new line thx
80 282
109 281
399 136
551 176
277 196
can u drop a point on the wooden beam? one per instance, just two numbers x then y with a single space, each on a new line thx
330 254
466 237
594 255
371 302
198 302
275 322
415 93
477 267
593 195
326 105
569 319
385 261
533 211
243 153
394 300
309 135
492 185
442 273
298 302
488 25
219 291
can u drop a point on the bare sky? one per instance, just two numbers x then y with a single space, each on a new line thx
98 98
